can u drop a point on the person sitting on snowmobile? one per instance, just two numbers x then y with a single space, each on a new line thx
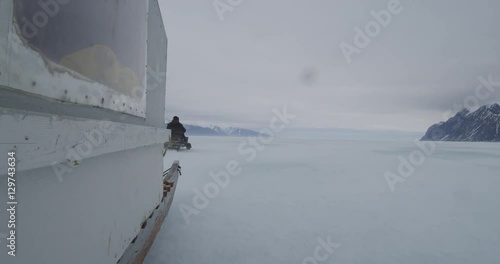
177 129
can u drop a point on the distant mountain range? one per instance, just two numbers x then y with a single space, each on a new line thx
316 133
193 130
482 125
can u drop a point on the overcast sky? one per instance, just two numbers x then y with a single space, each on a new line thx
269 54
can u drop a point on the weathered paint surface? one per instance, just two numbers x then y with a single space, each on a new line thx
91 212
92 215
27 70
44 140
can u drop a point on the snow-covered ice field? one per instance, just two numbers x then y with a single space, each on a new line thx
296 195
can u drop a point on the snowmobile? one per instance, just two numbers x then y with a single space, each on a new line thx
177 141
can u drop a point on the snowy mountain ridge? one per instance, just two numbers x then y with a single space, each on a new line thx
219 131
482 125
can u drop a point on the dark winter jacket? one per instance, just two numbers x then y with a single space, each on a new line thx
176 127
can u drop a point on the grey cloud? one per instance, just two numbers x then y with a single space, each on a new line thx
267 54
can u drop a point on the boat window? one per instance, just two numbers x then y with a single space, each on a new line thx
104 41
